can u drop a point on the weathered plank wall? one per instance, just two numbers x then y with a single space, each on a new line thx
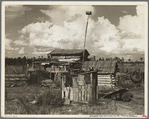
105 82
84 88
55 68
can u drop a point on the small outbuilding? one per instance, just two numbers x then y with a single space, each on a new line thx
80 87
106 73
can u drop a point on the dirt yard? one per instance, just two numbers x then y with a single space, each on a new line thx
101 107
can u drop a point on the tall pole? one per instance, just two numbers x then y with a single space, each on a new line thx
87 13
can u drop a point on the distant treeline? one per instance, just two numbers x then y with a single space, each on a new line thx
25 61
22 60
17 61
118 59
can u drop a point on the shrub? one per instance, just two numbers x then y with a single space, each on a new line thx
52 98
24 104
45 100
58 83
125 82
38 76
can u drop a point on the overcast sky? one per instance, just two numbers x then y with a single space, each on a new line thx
35 30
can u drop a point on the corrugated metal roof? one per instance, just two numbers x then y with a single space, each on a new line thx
67 51
107 66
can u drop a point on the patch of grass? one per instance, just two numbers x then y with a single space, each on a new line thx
52 98
12 107
50 102
47 99
58 84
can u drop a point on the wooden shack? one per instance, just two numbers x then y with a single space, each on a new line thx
69 55
56 69
83 87
106 73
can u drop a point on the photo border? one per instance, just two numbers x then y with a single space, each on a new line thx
4 3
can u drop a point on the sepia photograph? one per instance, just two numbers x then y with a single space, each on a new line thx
74 59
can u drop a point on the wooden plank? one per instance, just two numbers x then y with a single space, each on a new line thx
63 81
81 80
83 94
83 87
75 84
105 75
87 78
104 80
104 83
71 93
80 95
89 92
75 94
67 92
87 95
94 86
97 92
91 79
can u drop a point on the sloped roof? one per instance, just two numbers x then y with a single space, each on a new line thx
107 66
67 52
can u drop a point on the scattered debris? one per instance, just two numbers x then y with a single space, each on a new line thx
18 84
48 83
33 102
14 99
122 94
